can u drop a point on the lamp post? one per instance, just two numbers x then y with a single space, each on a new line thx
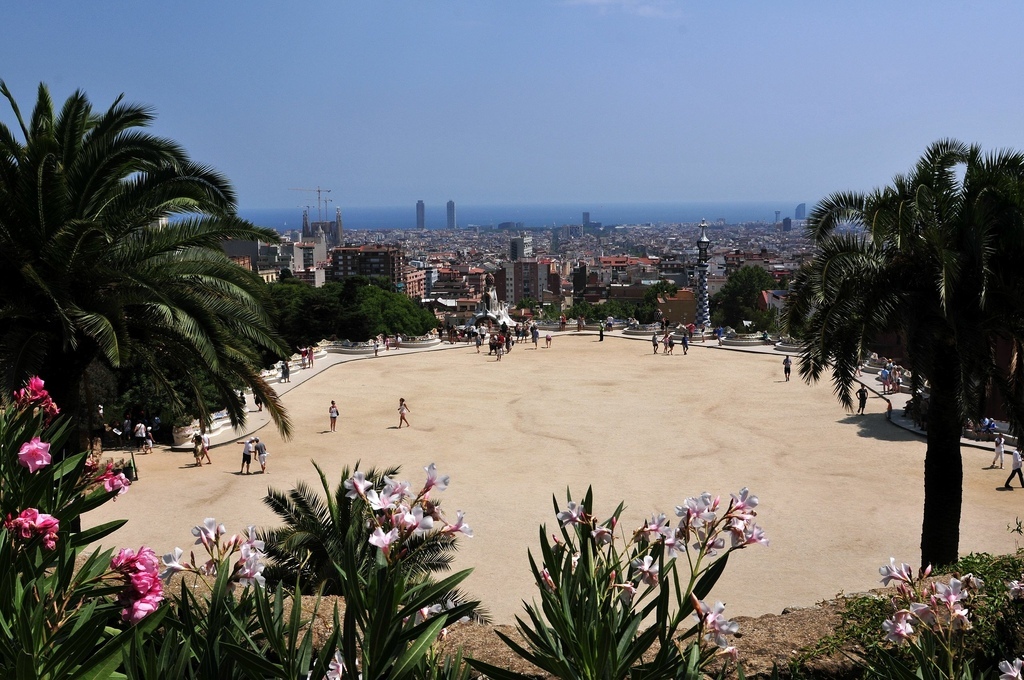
703 317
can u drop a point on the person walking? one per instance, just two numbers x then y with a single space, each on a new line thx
654 341
1016 470
197 447
862 399
479 340
258 400
1000 442
686 343
261 454
787 366
600 332
333 413
403 409
206 446
286 372
140 435
246 456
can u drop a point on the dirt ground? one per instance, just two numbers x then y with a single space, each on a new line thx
839 493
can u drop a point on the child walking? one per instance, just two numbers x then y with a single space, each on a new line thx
403 408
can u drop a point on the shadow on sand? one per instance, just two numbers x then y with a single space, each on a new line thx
875 426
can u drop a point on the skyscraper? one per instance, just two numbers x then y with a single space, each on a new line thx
421 219
452 224
586 219
801 212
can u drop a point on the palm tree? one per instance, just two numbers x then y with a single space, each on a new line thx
110 251
317 529
938 263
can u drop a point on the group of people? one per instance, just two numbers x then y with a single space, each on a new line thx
250 447
140 433
307 356
668 342
500 342
1015 465
201 447
333 412
891 376
387 341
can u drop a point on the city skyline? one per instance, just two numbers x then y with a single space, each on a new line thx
571 101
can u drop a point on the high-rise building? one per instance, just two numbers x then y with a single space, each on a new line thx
421 217
787 224
801 212
387 261
520 247
452 224
586 219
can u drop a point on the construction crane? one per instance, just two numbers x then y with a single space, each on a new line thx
318 191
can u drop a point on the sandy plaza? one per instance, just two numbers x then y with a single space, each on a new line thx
839 493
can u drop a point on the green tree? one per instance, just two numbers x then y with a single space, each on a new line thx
737 301
938 262
110 240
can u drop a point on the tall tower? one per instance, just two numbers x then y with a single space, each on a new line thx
452 224
340 234
586 219
703 316
801 212
777 213
421 220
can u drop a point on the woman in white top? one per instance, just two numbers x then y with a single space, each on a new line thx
403 408
999 450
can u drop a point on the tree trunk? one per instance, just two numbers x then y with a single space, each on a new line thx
943 466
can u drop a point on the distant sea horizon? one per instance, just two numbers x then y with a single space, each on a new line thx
535 216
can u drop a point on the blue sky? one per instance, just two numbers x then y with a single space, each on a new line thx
530 101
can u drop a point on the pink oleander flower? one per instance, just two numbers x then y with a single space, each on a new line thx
743 505
655 528
545 577
336 669
903 573
627 591
357 485
898 628
923 613
746 533
30 523
647 569
384 540
250 568
33 395
576 514
143 591
951 594
112 482
413 520
208 533
424 613
394 492
459 525
172 564
715 626
602 535
696 512
127 561
34 454
1011 670
433 481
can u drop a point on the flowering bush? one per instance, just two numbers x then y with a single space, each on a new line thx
60 621
392 614
598 586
